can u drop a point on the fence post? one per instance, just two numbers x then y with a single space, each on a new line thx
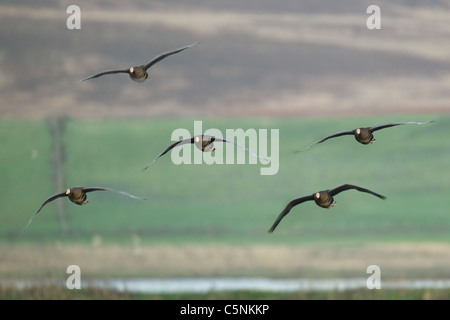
57 127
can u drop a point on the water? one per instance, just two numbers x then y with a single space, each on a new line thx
204 285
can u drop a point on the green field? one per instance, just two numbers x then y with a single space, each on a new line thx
230 204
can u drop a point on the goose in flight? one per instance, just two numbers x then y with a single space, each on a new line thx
323 199
139 73
78 196
365 135
205 144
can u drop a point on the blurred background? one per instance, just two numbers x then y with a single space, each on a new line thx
306 68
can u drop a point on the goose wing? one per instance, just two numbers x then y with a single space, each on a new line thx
344 187
103 73
173 145
242 147
338 134
392 124
165 55
91 189
288 208
50 199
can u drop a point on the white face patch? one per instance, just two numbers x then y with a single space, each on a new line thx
317 195
197 139
131 69
68 191
358 131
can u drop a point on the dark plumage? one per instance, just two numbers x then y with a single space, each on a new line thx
203 143
139 73
323 199
78 196
365 135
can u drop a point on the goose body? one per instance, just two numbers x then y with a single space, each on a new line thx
138 74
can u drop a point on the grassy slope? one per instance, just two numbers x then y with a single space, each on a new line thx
231 203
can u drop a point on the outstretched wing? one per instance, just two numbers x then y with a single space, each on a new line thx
178 143
338 134
91 189
165 55
242 147
350 186
50 199
392 124
103 73
288 208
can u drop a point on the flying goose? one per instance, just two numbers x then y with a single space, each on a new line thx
139 73
78 196
365 135
204 143
323 199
